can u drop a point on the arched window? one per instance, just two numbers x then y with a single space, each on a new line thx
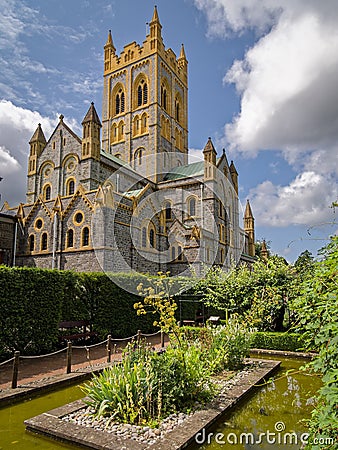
70 187
164 97
192 206
44 241
179 253
152 237
144 122
119 102
142 93
145 93
167 208
48 192
31 242
222 255
173 253
144 237
70 238
85 237
177 111
139 95
138 157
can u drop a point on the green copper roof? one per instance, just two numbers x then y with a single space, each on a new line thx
115 159
190 170
133 193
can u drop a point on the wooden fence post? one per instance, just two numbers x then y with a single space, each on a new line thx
69 357
139 337
15 370
109 348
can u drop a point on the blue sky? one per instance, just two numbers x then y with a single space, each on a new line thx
263 83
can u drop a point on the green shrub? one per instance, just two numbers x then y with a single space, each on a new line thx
147 386
30 310
278 341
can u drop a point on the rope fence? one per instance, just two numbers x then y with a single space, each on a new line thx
112 347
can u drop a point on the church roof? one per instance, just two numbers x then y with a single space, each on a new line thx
190 170
133 193
91 115
38 136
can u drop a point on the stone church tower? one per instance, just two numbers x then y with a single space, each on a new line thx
145 104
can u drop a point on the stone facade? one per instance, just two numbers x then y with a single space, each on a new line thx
130 201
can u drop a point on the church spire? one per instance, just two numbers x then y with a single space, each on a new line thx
155 17
234 176
109 44
91 126
109 52
37 144
182 53
249 228
155 31
210 154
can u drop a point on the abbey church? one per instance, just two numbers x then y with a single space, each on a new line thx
123 197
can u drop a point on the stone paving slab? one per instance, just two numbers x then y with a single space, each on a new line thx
51 424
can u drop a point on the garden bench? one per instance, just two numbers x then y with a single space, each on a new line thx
76 335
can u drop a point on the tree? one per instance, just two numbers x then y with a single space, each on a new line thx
258 293
304 263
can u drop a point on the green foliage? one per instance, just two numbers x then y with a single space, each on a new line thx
225 346
258 294
304 264
287 341
30 309
34 301
317 308
147 386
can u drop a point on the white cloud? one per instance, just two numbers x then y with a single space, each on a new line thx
288 87
8 164
195 155
17 126
305 201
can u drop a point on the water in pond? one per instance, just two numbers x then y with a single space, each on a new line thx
278 407
12 430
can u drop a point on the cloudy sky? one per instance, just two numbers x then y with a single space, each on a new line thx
263 83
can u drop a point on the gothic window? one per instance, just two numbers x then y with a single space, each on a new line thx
120 131
119 102
192 206
177 111
164 97
138 157
85 237
70 187
144 123
70 238
145 93
173 253
152 237
44 241
31 242
179 253
167 208
47 192
144 237
222 256
142 93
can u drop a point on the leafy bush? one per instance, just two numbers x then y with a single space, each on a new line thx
292 342
317 309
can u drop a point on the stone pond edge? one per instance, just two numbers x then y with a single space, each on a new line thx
50 423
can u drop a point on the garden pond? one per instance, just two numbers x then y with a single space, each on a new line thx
282 403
